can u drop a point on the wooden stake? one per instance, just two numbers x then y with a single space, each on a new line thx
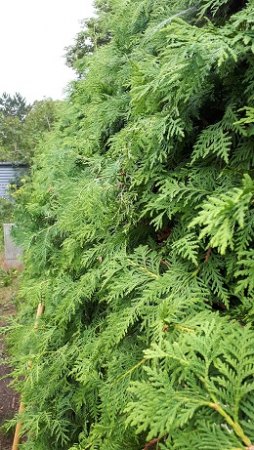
40 311
16 440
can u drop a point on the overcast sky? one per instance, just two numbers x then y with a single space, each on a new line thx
33 35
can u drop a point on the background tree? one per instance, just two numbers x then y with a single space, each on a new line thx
13 111
93 34
38 123
15 105
22 126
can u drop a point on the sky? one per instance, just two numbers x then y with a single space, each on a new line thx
33 35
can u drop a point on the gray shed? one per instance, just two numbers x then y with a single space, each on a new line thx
10 173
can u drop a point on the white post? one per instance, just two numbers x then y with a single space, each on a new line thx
12 253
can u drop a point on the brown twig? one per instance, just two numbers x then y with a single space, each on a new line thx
151 444
208 254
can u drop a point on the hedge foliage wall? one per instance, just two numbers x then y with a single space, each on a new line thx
138 227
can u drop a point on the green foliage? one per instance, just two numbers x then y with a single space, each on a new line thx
13 111
92 36
14 106
6 277
188 385
23 126
138 232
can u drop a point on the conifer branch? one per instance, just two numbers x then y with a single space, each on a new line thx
234 425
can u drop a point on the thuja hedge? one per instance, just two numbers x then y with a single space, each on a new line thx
138 230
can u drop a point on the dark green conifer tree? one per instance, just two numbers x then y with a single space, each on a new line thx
138 227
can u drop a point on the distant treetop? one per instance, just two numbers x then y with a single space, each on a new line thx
15 105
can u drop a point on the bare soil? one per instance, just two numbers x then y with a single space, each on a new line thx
8 399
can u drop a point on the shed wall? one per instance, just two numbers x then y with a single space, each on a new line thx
8 175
